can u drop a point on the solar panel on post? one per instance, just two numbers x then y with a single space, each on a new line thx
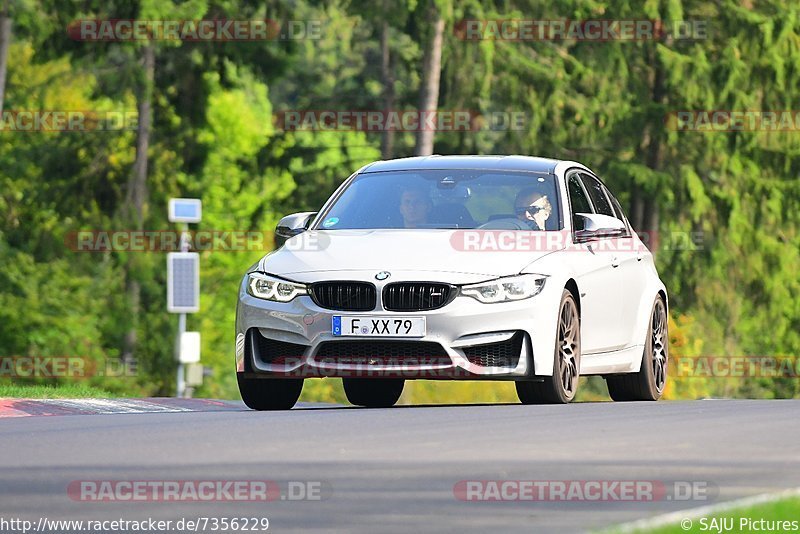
183 282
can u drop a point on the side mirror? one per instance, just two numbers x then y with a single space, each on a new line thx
294 224
596 226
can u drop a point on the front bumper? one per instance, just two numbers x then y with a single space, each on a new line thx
457 335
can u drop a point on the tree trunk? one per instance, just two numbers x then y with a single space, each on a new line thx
387 140
429 90
655 160
137 183
136 193
645 207
5 43
637 208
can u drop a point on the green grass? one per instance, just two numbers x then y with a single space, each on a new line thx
458 392
782 510
65 391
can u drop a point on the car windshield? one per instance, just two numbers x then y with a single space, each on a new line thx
446 199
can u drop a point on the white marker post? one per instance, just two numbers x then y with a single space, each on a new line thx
183 285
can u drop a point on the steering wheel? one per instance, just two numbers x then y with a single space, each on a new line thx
506 223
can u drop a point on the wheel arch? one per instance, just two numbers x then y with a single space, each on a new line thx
663 294
572 286
643 316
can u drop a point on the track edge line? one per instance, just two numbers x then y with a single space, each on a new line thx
693 513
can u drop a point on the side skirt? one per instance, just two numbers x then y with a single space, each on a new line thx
627 360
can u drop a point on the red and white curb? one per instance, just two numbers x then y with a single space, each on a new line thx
47 407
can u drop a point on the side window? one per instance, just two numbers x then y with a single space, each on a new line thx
597 195
615 204
577 198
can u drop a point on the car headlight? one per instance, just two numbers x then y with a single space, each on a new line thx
269 288
506 289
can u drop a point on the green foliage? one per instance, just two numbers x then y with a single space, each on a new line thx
734 291
68 391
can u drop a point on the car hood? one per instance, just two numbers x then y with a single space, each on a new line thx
407 254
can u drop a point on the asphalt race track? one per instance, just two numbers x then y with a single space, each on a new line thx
395 469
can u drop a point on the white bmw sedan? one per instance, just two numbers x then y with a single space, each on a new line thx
455 267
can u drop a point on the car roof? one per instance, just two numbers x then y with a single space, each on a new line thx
436 162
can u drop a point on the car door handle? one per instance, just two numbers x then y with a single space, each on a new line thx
615 261
638 255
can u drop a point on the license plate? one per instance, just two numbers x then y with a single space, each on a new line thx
344 325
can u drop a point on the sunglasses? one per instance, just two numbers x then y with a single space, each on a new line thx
530 210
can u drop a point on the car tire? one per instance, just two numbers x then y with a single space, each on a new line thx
560 388
648 384
373 393
269 393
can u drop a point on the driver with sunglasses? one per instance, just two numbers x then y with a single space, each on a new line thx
533 208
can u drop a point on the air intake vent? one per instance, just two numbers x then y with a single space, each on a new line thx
502 354
417 296
344 296
382 352
273 351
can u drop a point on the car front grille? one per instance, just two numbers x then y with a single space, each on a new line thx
417 296
501 354
273 351
382 353
345 296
